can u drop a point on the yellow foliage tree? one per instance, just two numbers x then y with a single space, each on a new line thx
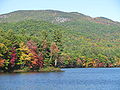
25 55
3 49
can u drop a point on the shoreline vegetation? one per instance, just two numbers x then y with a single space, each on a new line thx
42 70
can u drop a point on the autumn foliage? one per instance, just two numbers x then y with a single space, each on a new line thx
13 57
1 62
37 59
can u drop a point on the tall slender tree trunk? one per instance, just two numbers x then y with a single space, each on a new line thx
55 62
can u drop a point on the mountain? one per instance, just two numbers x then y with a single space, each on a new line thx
53 16
82 34
46 15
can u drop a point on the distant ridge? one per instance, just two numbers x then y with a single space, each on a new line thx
53 16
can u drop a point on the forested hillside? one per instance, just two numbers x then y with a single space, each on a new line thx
40 38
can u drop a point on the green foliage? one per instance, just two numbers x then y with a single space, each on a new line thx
50 69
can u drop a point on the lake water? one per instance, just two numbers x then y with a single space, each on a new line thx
71 79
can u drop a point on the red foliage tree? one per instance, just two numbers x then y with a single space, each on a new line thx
37 57
13 57
101 64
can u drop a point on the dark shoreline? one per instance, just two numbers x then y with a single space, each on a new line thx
46 71
43 70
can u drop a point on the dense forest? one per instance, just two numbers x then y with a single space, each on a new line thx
32 40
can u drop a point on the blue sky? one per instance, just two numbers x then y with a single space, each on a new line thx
94 8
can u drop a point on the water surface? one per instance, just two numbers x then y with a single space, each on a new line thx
71 79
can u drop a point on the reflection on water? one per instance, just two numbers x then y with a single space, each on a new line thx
71 79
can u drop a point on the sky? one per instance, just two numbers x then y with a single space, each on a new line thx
94 8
